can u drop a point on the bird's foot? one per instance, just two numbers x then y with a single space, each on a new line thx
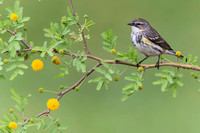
157 65
138 65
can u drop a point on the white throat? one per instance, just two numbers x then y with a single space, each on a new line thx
135 29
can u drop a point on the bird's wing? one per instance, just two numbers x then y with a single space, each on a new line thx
154 37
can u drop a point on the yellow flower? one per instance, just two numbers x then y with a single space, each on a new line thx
37 65
56 60
13 125
112 51
53 104
1 40
14 17
178 53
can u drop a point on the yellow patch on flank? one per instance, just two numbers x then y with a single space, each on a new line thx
146 41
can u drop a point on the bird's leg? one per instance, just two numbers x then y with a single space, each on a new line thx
141 61
157 63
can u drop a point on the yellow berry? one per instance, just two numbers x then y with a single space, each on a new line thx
41 90
57 123
32 120
85 16
61 87
116 78
112 51
76 88
11 110
162 56
33 51
192 74
178 53
63 21
140 69
1 40
25 28
61 51
13 17
5 61
140 87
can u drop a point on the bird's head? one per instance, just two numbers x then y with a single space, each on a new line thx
139 24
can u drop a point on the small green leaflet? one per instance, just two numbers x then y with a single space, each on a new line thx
79 62
109 40
171 78
136 81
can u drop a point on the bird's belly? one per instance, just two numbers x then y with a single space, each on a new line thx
146 49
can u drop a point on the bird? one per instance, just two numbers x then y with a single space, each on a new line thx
148 41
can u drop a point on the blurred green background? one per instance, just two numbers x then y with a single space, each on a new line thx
88 111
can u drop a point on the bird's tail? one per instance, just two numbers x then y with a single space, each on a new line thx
172 52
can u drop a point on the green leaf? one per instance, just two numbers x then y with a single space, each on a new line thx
164 85
169 78
70 12
18 108
14 75
22 66
39 48
180 75
108 76
19 36
97 79
100 70
83 67
11 67
25 19
11 38
16 5
178 82
174 92
2 77
1 1
131 79
189 58
55 44
128 86
14 117
13 52
50 53
60 75
158 82
99 85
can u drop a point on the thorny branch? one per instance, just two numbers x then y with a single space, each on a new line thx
82 32
22 41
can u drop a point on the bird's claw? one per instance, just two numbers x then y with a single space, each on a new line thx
138 65
157 65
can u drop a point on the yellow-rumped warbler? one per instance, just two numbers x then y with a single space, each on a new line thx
148 41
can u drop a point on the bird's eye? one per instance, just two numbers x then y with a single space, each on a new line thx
138 24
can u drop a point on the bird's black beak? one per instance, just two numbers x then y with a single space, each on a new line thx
131 24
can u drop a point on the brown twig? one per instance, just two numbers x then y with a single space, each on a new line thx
46 112
22 41
80 81
82 32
